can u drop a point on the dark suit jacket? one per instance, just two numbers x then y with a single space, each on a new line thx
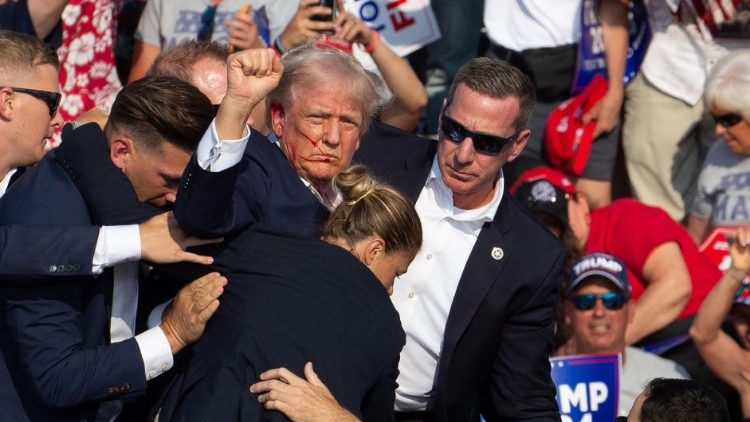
262 188
55 335
291 300
498 335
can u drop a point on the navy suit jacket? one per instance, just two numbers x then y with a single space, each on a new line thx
262 188
55 335
497 341
291 300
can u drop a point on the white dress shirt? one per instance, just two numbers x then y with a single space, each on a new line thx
216 155
6 181
423 296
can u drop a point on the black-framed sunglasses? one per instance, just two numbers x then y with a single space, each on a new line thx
483 142
207 22
52 99
611 300
621 419
727 120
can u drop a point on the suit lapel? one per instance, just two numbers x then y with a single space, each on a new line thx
486 261
16 175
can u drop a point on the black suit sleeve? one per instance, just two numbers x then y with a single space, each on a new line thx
521 384
46 251
378 403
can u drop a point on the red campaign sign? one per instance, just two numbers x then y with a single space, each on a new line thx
716 248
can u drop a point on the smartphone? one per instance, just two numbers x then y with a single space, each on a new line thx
326 18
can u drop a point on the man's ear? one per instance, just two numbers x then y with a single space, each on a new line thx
374 249
6 104
277 119
519 144
120 150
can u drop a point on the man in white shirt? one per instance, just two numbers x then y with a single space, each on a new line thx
478 302
598 309
73 343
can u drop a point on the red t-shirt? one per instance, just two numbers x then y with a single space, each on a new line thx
630 230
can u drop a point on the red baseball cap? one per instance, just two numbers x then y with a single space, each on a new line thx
567 140
553 176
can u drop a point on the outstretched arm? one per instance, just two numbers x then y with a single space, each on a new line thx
217 164
722 354
667 291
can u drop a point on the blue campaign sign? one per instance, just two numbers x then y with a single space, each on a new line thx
588 387
591 58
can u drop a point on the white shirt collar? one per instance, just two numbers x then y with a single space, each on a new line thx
485 213
6 181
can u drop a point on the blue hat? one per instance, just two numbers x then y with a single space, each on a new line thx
601 264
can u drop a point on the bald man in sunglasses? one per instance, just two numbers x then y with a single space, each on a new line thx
598 309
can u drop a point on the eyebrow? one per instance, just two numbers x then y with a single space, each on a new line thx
170 177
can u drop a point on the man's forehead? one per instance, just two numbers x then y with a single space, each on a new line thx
596 282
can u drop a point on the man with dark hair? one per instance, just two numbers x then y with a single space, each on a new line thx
29 97
674 400
70 348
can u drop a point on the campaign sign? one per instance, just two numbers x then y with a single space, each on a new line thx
405 25
716 248
588 387
591 59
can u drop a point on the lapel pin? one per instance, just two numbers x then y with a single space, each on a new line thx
497 253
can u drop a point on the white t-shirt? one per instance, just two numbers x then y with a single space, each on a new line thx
523 24
166 23
680 56
639 369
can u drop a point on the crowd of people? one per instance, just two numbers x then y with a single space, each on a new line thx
248 223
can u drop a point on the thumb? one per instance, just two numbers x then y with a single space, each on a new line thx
591 114
311 376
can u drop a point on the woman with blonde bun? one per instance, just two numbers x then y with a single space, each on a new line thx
293 300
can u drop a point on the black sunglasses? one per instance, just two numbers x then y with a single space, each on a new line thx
485 143
207 22
621 419
727 120
611 300
52 99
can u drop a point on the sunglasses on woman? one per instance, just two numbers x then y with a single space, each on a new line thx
611 300
727 120
484 143
51 99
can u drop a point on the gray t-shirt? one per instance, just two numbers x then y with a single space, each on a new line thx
641 367
723 195
166 23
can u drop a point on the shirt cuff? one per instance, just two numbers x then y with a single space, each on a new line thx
216 155
155 352
116 244
154 318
